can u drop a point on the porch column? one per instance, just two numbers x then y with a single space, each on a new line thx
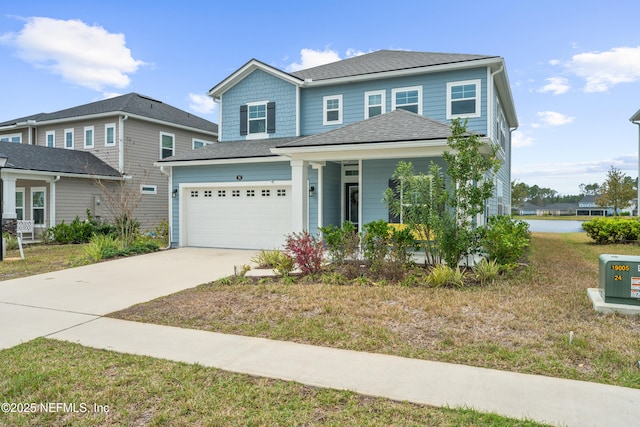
299 196
9 197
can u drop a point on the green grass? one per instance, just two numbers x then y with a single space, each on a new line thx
40 259
136 390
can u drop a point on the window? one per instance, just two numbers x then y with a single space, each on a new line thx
199 143
194 193
20 203
463 99
235 193
15 137
500 196
332 110
68 139
110 135
50 138
251 193
417 192
167 147
282 192
88 137
222 193
257 119
266 193
38 205
208 193
374 103
407 98
148 189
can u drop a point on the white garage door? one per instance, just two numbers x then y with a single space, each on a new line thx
247 217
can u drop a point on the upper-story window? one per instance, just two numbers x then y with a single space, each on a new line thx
68 139
167 145
332 110
88 137
463 99
257 119
199 143
50 138
407 98
15 137
374 103
110 135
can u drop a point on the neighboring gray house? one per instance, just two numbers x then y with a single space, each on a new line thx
318 147
588 206
50 177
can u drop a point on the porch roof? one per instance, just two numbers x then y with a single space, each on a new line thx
56 160
230 150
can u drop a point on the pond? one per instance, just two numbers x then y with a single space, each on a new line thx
555 226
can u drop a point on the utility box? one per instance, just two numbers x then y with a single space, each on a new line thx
619 280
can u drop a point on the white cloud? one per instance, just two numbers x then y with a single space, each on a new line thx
557 85
519 139
312 58
603 70
552 118
627 162
201 103
85 55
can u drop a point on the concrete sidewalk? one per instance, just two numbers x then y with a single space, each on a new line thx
543 399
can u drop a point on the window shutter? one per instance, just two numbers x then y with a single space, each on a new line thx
243 120
271 117
393 219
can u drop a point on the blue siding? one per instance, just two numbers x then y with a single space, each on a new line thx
434 87
278 171
256 87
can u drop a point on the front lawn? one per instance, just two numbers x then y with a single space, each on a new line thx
80 386
40 259
519 323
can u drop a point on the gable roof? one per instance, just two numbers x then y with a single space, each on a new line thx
636 117
133 104
382 61
395 126
55 160
247 69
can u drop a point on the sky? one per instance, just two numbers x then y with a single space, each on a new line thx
573 66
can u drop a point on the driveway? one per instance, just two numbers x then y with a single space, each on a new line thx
40 305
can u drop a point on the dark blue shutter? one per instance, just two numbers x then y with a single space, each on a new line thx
271 117
243 120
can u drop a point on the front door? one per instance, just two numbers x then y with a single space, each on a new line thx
351 203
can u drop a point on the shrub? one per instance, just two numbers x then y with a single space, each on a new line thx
75 232
505 239
11 242
268 258
342 242
612 230
402 245
375 242
101 246
444 276
487 271
306 251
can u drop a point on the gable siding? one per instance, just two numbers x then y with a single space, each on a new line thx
256 87
434 87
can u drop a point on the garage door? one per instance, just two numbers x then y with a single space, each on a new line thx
247 217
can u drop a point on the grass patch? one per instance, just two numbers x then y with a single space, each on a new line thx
519 323
40 259
139 390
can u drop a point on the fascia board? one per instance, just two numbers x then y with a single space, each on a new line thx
239 160
365 151
27 174
218 90
636 117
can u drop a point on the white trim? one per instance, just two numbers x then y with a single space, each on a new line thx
204 142
222 161
93 137
325 110
69 131
20 190
478 112
173 143
406 89
22 174
383 100
248 68
257 135
148 189
106 141
274 183
44 208
46 138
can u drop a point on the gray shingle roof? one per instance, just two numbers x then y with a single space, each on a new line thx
56 160
131 103
231 150
381 61
395 126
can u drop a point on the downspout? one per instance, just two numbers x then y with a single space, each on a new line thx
121 121
169 203
637 122
52 203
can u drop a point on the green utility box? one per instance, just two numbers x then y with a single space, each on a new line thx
619 281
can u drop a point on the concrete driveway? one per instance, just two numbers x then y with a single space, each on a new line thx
40 305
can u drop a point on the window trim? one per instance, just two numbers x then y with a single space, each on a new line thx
71 132
108 126
20 190
383 101
203 141
93 137
44 208
325 110
173 144
148 189
395 91
9 136
257 135
477 113
51 133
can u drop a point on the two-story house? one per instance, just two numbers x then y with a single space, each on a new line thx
54 159
316 147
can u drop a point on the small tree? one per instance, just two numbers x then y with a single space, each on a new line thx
617 191
122 199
